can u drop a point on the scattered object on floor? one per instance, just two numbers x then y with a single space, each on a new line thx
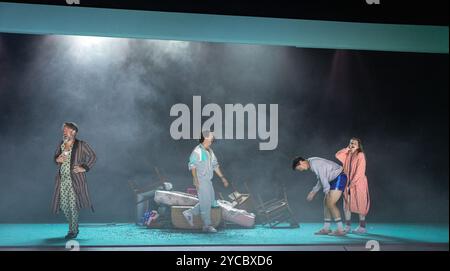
175 198
179 221
144 197
151 219
145 201
192 191
237 216
240 200
276 211
157 219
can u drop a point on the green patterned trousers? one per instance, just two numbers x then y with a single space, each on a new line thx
68 200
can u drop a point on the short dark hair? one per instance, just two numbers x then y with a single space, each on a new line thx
71 125
204 134
297 160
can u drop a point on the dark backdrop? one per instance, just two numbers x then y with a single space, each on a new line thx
120 92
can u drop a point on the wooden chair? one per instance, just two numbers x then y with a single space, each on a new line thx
275 212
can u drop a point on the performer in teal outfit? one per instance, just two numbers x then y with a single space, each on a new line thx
202 164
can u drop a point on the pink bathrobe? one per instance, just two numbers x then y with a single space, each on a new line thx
356 194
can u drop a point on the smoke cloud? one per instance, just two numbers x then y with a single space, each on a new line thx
120 91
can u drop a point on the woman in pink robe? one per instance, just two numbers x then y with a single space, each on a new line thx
356 194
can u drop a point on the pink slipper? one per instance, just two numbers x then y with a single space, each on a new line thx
323 232
348 229
360 230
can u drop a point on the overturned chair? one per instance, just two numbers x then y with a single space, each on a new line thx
276 211
144 197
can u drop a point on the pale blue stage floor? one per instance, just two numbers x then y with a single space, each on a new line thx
130 235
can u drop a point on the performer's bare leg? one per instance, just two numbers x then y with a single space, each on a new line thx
326 220
348 217
331 199
326 215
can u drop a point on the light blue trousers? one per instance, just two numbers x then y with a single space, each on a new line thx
207 199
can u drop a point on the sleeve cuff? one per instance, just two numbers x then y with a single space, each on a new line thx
85 167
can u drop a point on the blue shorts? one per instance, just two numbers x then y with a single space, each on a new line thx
339 183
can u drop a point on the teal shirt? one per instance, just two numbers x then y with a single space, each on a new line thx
204 161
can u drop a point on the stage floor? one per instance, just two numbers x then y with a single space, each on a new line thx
123 236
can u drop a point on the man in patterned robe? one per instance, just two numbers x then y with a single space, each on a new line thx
74 158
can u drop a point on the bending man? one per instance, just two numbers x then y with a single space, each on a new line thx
333 180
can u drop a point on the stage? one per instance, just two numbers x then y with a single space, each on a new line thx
128 236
